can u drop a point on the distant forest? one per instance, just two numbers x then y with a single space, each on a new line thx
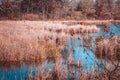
60 9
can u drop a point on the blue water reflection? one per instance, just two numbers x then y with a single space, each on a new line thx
14 73
89 60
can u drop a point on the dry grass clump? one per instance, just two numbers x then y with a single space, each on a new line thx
107 48
106 28
51 53
87 42
28 51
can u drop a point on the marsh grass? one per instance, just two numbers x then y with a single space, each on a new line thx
32 40
107 48
43 42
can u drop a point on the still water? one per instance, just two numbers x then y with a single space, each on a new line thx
21 71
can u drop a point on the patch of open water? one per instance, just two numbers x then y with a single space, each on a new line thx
88 58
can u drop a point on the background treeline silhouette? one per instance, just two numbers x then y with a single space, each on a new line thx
60 9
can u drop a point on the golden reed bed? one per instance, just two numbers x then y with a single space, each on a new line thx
97 22
31 40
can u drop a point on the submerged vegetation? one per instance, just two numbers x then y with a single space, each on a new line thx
60 51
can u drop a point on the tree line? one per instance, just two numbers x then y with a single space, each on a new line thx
61 9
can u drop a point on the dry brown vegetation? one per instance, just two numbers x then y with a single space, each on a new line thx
30 40
40 41
18 41
109 50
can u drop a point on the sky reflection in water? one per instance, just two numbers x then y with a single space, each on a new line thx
87 57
